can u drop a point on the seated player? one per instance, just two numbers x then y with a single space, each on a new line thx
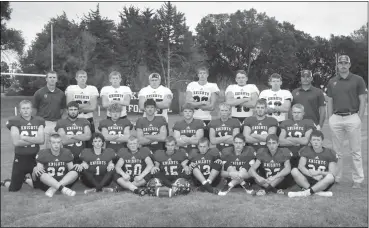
238 160
315 173
188 131
133 167
206 166
273 164
257 128
115 130
151 130
27 134
98 166
222 130
170 169
54 170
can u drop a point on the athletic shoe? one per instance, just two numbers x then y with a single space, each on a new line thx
326 194
89 191
107 189
50 192
356 185
2 183
260 192
140 191
299 194
225 190
117 189
280 192
68 192
215 191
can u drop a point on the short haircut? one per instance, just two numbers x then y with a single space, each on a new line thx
132 137
276 76
239 136
187 106
115 107
97 135
150 102
170 139
317 133
55 136
202 69
203 140
273 137
80 72
241 72
73 104
51 72
299 106
262 102
25 102
225 105
114 73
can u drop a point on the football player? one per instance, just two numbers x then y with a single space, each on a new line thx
54 170
133 167
258 127
74 132
160 94
241 96
315 173
223 130
115 93
86 97
202 96
237 161
188 131
278 100
151 130
273 164
98 166
170 165
206 166
115 130
27 133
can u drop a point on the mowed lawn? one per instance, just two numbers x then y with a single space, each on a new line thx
347 207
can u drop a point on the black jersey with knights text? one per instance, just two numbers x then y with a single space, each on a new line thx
115 128
272 164
244 160
318 161
171 164
97 164
55 166
260 127
223 128
205 161
189 130
134 163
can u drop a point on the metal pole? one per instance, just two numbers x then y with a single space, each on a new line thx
52 51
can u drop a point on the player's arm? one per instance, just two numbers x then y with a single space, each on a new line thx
253 168
143 139
262 138
230 100
228 139
211 105
167 101
199 134
89 107
285 107
322 113
362 100
85 136
69 95
302 167
283 141
141 102
14 132
303 140
39 139
249 138
216 140
65 139
184 163
105 101
191 101
126 99
159 137
125 136
252 100
108 137
285 171
180 139
70 165
118 167
331 169
149 166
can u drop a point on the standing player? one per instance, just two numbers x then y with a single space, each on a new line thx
278 100
115 130
115 93
151 130
223 130
160 94
74 132
273 164
316 168
133 167
86 97
97 165
238 160
202 96
257 128
206 164
188 131
54 170
27 133
241 96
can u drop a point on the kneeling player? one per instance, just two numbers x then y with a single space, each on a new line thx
133 167
274 164
170 169
238 160
316 167
97 165
206 165
54 169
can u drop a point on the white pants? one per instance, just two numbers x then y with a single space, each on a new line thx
49 129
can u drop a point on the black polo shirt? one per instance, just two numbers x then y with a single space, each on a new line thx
311 99
345 92
49 104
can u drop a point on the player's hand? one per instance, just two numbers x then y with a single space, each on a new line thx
110 167
218 161
192 165
137 178
187 170
154 170
234 175
318 177
78 167
318 127
313 173
271 179
270 110
125 176
261 180
38 170
84 165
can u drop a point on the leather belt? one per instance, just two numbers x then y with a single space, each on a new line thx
345 113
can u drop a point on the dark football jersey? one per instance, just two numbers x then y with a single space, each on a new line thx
115 128
318 161
76 127
135 163
189 130
272 164
205 161
260 127
297 129
224 128
56 166
97 164
26 128
152 128
244 160
171 164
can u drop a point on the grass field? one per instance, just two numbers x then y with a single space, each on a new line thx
348 207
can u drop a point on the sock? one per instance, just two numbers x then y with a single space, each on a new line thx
60 188
204 182
243 184
311 191
230 184
271 189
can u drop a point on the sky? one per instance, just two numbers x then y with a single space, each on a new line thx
315 18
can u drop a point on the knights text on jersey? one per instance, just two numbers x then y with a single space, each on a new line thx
116 94
82 96
97 164
318 161
224 128
55 166
189 129
276 98
242 92
134 163
114 128
260 127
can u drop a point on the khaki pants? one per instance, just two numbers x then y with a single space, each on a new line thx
49 129
347 127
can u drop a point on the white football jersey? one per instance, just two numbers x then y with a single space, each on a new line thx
202 93
116 94
242 92
157 94
82 96
276 99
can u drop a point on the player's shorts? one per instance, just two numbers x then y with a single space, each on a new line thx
312 182
98 179
146 178
22 164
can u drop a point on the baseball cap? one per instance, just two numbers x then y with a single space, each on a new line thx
306 73
344 58
154 75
